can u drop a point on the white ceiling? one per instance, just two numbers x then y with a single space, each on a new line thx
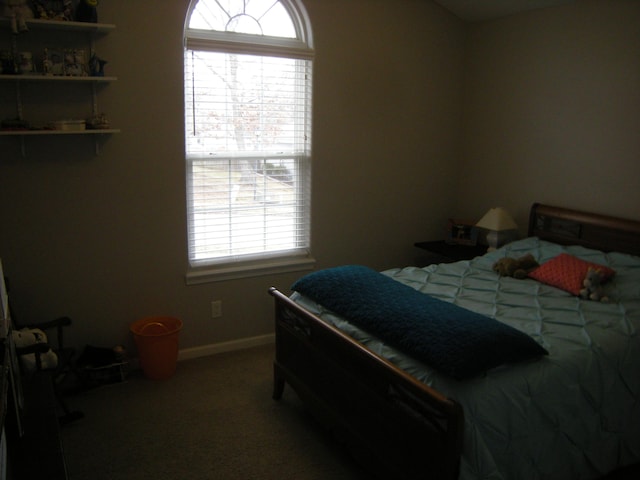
479 10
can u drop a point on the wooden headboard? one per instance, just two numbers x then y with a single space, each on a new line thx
574 227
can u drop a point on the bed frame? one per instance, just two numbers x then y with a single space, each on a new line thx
391 422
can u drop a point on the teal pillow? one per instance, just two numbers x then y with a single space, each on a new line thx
449 338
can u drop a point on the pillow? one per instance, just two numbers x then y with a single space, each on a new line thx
567 272
453 340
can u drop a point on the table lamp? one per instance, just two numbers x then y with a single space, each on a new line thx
501 227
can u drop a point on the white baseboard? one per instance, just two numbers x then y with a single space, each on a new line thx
213 349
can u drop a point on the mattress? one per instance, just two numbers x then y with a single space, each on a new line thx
574 414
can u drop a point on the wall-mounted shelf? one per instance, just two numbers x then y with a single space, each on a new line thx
97 131
63 25
21 134
55 78
38 35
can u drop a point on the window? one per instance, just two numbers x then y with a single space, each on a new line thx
248 66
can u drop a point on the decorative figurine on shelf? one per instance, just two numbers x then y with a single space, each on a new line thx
25 63
39 11
42 9
53 9
18 11
96 66
86 11
98 122
74 63
53 62
67 10
46 63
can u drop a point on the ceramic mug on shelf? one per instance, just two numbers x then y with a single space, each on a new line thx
25 62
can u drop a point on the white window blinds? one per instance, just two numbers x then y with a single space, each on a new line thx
247 121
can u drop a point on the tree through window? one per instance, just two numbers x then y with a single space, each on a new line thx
248 66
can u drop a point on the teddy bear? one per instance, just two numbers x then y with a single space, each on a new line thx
18 11
593 289
515 267
31 336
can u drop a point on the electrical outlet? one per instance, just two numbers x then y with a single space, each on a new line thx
216 309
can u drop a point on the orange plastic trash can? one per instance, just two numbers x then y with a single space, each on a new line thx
157 343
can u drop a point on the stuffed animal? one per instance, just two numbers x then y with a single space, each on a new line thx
61 10
30 336
18 11
96 66
515 267
593 289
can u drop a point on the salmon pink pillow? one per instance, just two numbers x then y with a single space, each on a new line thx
568 272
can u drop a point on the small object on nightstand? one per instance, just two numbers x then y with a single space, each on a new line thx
461 232
440 251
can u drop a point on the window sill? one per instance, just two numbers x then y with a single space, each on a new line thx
221 273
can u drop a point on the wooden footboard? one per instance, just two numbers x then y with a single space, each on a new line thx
392 423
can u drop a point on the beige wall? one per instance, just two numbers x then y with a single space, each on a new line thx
388 78
102 238
552 111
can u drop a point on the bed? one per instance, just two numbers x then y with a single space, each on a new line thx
568 411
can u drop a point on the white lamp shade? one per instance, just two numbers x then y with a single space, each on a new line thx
497 219
501 227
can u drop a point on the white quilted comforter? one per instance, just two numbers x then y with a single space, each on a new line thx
574 414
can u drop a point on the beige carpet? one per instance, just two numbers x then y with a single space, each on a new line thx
214 419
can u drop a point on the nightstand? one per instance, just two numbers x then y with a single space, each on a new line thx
439 251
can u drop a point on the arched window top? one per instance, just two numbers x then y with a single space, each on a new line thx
256 17
278 19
